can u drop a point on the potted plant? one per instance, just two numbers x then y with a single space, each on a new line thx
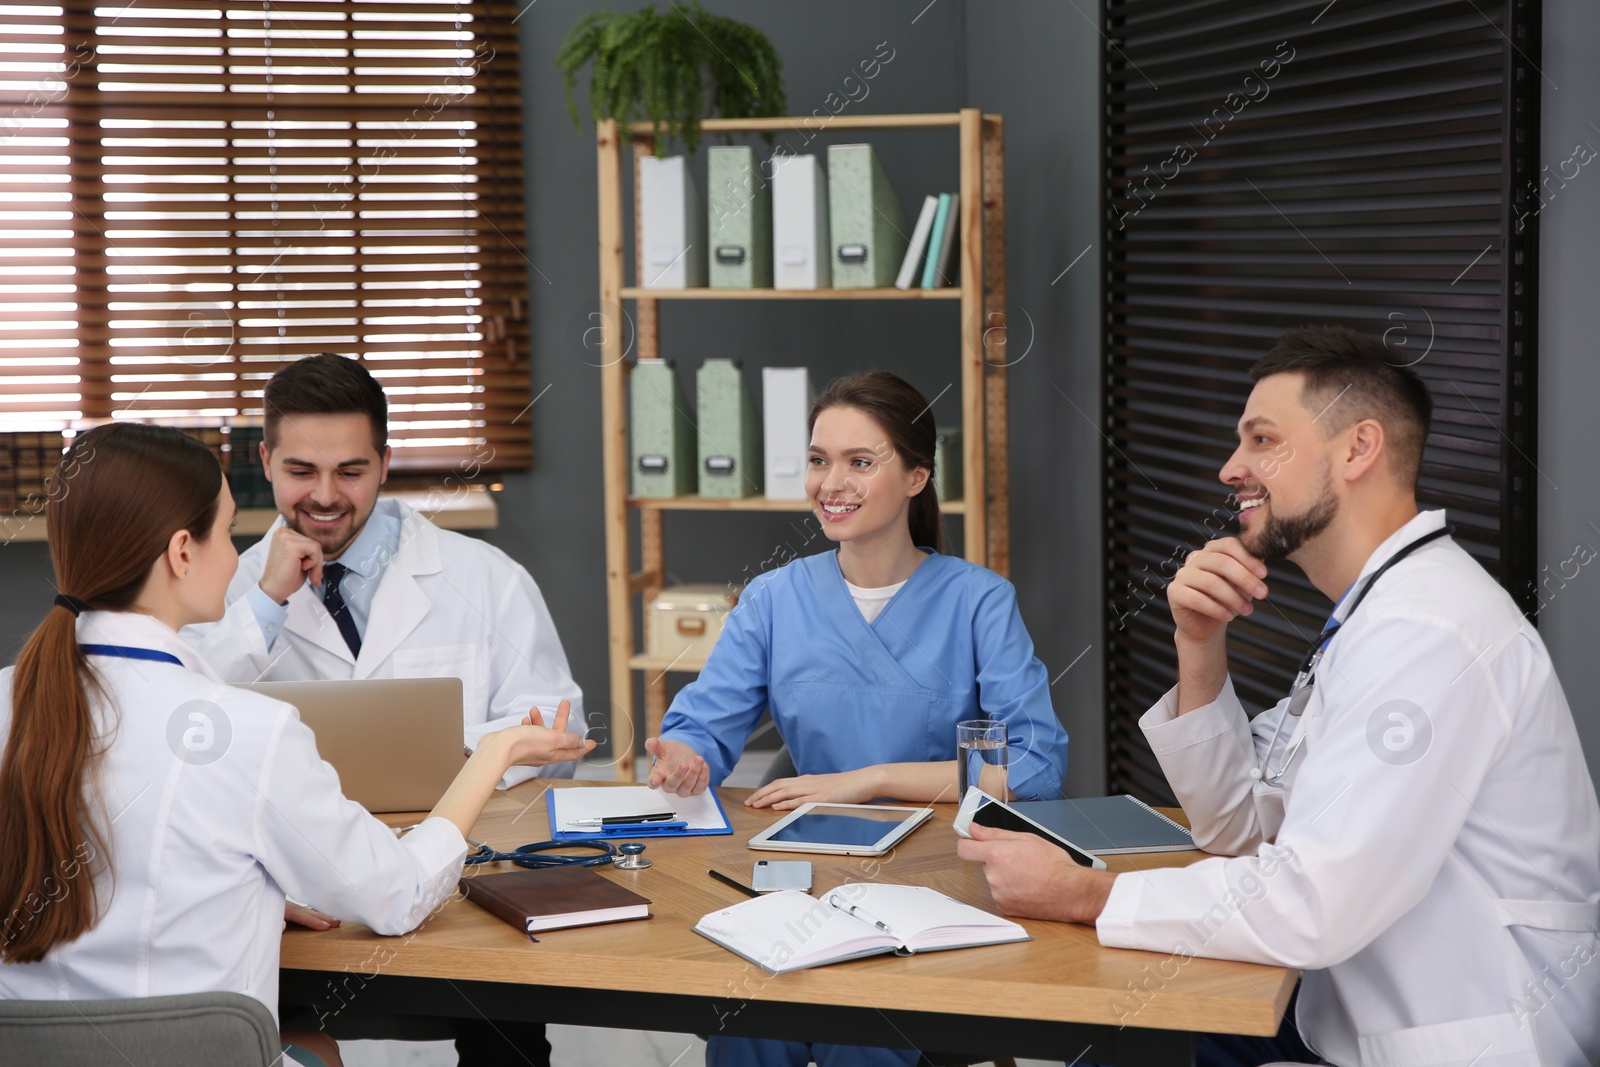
671 68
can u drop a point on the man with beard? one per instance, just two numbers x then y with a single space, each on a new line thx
349 585
1414 826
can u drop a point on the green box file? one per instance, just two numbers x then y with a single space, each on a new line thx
740 210
947 464
867 226
729 432
662 459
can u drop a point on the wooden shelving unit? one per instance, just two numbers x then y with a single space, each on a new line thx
985 449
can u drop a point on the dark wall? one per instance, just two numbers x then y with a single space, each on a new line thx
1038 64
1569 372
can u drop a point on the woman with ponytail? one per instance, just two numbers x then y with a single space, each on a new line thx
867 656
153 819
870 655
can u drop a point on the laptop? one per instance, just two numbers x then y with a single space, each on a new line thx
396 742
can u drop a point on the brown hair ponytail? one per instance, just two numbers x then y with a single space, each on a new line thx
907 419
114 503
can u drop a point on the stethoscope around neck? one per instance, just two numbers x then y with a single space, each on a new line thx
1305 676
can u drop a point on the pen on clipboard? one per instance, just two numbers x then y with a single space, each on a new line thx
627 820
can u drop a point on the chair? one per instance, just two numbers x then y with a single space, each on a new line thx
195 1030
782 766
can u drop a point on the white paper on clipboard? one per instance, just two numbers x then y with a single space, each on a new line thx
575 804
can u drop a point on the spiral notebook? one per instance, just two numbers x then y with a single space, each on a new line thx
1109 826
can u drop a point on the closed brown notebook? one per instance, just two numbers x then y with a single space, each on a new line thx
554 898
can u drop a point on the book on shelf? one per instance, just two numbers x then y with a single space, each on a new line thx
917 249
945 272
27 460
554 898
941 222
215 440
247 480
791 931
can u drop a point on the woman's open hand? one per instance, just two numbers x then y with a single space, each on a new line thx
533 744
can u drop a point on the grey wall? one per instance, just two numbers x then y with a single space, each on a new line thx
1569 372
1037 63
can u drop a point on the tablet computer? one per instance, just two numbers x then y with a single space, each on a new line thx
841 829
981 808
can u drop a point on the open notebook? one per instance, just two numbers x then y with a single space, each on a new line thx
791 931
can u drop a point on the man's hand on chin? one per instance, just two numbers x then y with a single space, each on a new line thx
1030 878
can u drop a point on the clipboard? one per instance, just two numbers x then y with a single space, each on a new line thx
697 816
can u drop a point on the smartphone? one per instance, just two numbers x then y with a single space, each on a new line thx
769 876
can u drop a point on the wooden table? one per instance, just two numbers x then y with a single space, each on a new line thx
1060 996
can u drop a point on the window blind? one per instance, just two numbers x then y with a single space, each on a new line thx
196 193
1369 164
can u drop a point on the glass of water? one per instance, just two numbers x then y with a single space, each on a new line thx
981 756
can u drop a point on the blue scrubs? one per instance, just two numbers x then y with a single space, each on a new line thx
949 646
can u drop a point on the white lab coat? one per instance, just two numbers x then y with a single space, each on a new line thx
1431 858
446 606
204 848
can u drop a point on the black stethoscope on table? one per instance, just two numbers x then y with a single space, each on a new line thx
536 856
1305 677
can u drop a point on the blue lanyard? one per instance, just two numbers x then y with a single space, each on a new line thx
130 652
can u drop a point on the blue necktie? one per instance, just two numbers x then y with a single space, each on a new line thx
332 575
